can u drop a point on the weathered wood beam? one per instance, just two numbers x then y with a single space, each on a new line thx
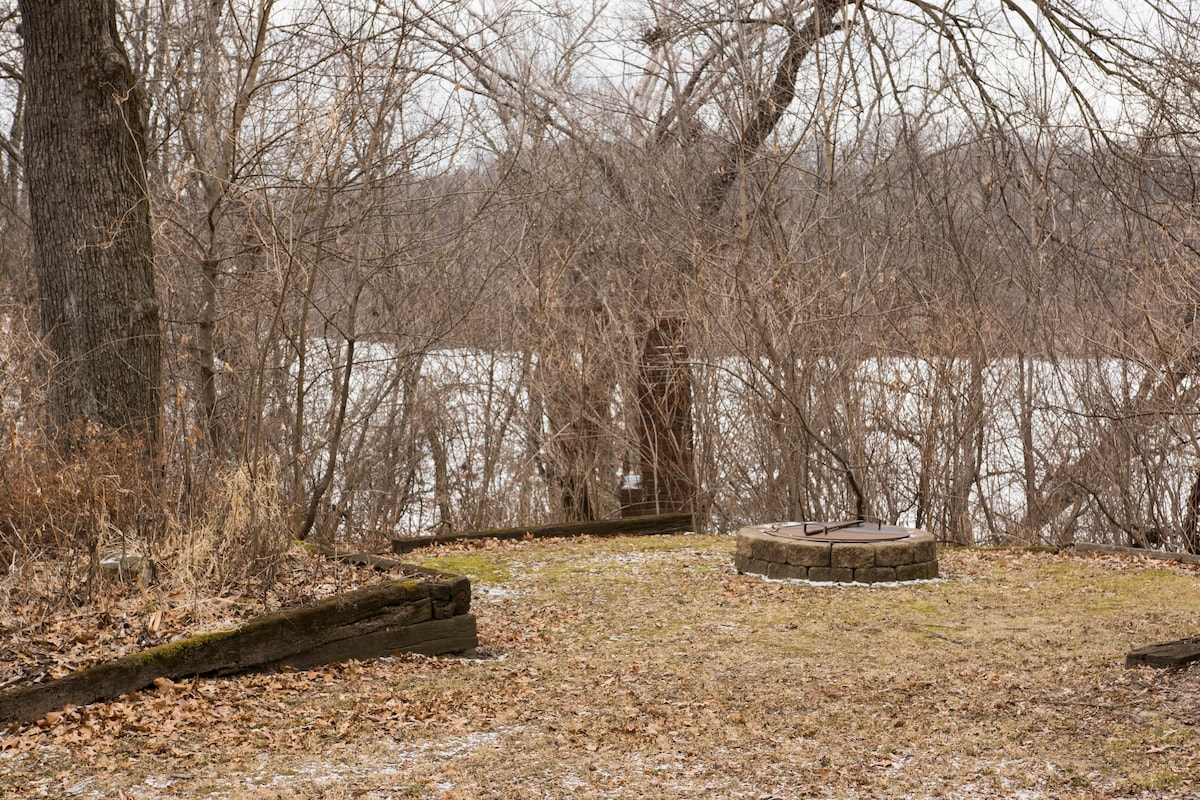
412 615
629 526
1169 654
1183 558
376 560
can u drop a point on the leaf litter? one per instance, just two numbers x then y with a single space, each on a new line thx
648 667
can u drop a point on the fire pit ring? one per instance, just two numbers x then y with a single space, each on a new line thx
851 551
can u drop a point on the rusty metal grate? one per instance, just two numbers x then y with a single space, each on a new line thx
851 530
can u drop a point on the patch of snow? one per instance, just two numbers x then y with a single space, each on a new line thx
572 782
842 584
457 746
494 593
159 782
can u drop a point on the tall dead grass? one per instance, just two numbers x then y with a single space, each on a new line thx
237 538
63 509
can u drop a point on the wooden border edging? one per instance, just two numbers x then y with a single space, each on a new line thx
1169 654
1182 558
421 616
375 560
627 526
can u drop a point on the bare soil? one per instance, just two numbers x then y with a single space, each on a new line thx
647 667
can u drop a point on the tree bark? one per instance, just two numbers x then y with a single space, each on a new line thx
1191 519
770 107
665 446
668 480
89 208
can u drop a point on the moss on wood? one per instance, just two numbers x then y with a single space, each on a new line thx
368 622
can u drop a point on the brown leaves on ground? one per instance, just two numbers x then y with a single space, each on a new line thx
649 668
42 636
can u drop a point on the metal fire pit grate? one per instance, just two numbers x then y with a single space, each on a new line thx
853 530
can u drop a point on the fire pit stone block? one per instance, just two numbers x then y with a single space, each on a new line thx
926 550
831 575
774 551
895 554
809 554
748 564
921 571
874 574
786 571
854 555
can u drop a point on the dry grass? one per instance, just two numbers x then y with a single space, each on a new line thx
649 668
70 498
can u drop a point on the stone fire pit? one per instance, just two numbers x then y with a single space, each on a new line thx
836 552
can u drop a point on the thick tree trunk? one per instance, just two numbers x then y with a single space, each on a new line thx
770 107
1191 520
89 208
668 481
665 437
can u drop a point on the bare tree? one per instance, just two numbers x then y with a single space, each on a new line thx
84 159
423 262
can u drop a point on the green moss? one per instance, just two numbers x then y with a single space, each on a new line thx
648 544
478 566
1121 742
173 650
1158 582
922 606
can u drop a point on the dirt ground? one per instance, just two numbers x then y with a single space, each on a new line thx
647 667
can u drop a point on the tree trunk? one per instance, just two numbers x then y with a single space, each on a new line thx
968 444
1067 483
90 214
1191 520
665 448
1025 398
668 481
770 107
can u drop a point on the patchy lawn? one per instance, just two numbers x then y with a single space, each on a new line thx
646 667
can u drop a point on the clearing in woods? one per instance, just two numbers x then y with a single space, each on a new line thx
646 667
